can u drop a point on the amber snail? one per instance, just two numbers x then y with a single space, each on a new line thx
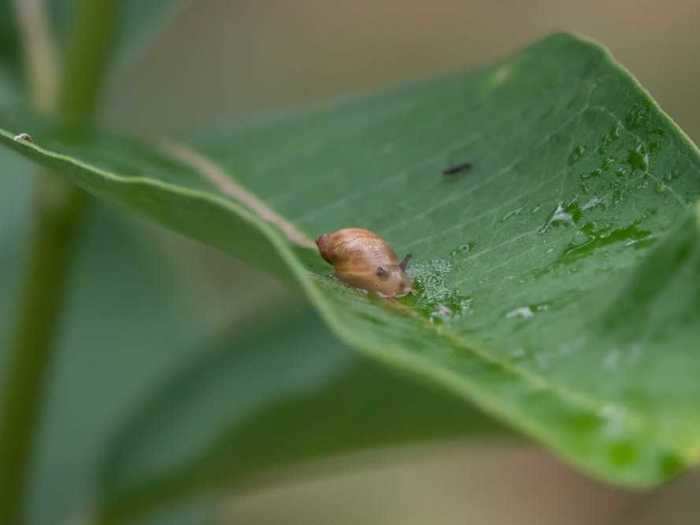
363 259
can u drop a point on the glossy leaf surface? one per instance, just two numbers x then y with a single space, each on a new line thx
556 280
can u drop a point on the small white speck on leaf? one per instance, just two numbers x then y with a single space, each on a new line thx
523 312
502 74
23 137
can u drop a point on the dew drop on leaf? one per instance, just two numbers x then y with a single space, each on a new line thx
577 154
638 158
462 250
521 312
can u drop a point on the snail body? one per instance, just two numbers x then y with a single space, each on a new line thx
364 260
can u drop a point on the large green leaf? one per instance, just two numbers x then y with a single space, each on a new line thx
557 280
9 52
127 330
251 404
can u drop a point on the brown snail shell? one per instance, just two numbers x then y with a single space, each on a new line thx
363 259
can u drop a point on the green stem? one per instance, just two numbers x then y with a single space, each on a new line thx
59 210
58 214
87 60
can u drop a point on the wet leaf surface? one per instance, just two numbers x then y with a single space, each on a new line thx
556 280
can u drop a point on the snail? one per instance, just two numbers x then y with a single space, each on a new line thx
363 259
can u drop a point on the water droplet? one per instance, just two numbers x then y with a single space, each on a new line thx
638 158
633 354
670 176
502 74
571 347
563 214
611 359
611 136
536 208
434 298
638 117
577 154
616 131
639 243
512 213
618 196
441 312
445 312
522 312
579 237
542 359
527 312
462 250
594 202
614 419
598 236
517 353
595 173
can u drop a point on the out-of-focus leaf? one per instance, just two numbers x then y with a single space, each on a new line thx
543 290
14 227
139 24
9 39
255 403
126 326
9 52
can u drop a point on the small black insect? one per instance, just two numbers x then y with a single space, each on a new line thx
457 168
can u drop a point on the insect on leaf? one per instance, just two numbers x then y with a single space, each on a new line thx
557 282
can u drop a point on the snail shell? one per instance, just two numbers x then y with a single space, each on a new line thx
363 259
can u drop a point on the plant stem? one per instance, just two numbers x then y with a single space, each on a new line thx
57 223
87 60
59 210
40 54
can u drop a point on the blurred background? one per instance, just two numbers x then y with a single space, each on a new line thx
219 61
229 58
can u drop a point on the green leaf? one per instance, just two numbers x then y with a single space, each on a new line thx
14 226
9 52
125 326
128 330
9 39
250 405
140 22
529 267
